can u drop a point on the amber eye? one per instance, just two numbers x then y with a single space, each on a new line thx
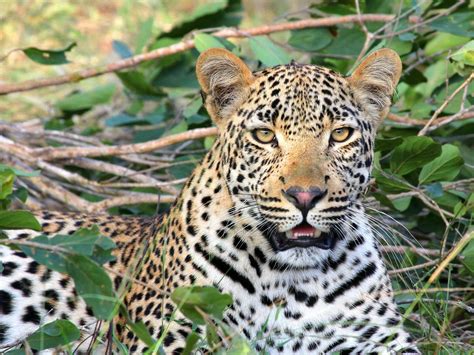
263 135
341 134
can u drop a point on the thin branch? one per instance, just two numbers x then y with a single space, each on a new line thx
142 180
73 152
444 104
411 268
403 249
188 44
368 35
437 123
132 199
422 23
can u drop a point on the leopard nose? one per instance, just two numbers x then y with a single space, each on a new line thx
304 199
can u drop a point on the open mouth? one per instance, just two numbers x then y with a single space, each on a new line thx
302 236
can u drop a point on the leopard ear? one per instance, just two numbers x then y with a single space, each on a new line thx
224 80
374 81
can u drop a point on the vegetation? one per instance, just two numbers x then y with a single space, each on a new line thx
115 147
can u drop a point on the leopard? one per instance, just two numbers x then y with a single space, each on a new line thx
273 215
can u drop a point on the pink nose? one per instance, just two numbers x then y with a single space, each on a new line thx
304 199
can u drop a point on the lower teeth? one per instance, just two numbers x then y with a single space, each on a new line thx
291 235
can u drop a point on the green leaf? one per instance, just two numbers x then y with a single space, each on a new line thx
445 167
407 37
87 99
240 346
434 190
436 75
420 110
122 119
179 128
457 24
141 331
454 105
347 42
207 299
53 260
191 341
205 9
197 119
144 35
465 54
448 200
136 82
402 204
208 142
468 254
390 183
7 177
387 144
93 284
54 334
413 153
86 242
121 49
212 337
461 208
48 57
442 42
19 172
214 13
399 46
204 41
19 351
310 39
184 166
267 52
18 220
383 199
193 107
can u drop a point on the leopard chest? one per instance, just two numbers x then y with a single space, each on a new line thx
309 310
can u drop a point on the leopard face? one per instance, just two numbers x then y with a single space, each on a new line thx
296 144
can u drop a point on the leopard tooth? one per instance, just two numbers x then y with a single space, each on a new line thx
297 235
317 233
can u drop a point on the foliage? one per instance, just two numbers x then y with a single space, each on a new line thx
424 181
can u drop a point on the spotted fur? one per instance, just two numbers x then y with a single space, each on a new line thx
221 231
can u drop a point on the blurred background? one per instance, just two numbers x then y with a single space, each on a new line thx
94 25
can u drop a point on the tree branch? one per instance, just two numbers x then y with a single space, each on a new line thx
51 153
440 121
188 44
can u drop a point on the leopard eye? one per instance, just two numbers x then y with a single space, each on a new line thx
341 134
263 135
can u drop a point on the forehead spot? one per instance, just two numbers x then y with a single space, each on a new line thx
297 98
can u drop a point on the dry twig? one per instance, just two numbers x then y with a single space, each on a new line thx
444 104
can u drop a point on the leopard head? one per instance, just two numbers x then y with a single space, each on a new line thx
296 141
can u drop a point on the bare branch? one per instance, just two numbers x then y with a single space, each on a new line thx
132 199
444 104
188 44
73 152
